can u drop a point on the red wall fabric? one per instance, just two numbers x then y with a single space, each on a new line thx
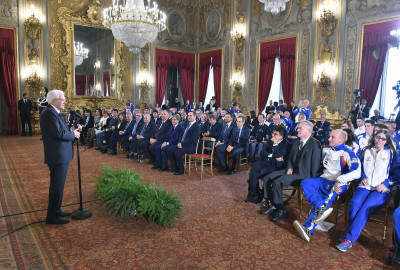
80 84
286 50
7 75
204 70
186 65
91 83
375 46
106 83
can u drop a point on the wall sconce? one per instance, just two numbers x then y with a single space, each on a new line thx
144 82
327 18
237 81
323 75
112 61
33 75
239 36
97 65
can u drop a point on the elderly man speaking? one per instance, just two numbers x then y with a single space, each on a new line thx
58 152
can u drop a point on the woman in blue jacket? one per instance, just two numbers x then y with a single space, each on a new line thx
375 186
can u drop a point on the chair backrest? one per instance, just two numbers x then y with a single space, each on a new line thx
205 142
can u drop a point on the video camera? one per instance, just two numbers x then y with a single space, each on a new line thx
77 118
357 93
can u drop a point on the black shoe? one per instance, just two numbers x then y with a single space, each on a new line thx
265 204
279 215
179 173
56 220
268 211
252 198
112 154
135 155
98 148
223 169
156 166
150 161
60 213
231 172
164 168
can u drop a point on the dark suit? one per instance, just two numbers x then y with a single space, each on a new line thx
116 137
90 124
188 141
293 132
147 132
25 109
240 144
322 135
165 107
99 136
376 119
160 133
58 153
364 113
131 132
160 154
270 108
305 163
269 154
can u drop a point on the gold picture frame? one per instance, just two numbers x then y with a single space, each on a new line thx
282 18
176 25
213 36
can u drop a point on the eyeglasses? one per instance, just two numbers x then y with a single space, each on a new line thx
275 134
383 139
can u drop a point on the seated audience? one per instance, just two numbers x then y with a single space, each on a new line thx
274 157
171 140
258 135
223 140
351 141
340 167
304 162
363 139
120 126
127 141
103 122
375 186
108 130
89 124
161 131
360 126
304 109
147 132
120 133
377 116
292 135
238 143
186 145
322 129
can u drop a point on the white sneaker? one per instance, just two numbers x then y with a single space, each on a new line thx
321 213
303 231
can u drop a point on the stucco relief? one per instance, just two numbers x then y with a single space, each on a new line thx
9 12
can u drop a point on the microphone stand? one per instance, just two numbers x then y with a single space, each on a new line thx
80 213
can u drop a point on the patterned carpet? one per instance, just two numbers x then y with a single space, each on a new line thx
216 231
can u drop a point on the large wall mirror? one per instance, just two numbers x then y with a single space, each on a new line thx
95 72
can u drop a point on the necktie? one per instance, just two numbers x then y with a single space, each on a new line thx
134 128
184 134
161 125
143 130
301 145
238 136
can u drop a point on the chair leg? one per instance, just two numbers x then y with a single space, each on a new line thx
201 173
300 201
211 166
385 225
190 161
336 210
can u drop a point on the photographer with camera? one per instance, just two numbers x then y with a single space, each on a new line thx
359 110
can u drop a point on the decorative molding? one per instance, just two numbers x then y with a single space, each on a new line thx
305 43
349 71
253 75
172 29
281 17
213 36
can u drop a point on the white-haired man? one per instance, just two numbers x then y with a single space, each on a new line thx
304 109
58 152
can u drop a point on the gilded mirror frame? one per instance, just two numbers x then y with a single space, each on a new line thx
68 20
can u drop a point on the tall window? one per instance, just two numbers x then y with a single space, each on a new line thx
210 87
276 92
385 99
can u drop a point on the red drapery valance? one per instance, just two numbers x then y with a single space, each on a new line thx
374 51
186 65
286 50
80 84
204 69
7 75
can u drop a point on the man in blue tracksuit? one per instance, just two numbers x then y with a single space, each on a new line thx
341 166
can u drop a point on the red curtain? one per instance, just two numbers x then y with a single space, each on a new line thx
7 75
106 83
375 47
80 84
204 70
268 54
91 83
286 50
216 63
185 63
288 61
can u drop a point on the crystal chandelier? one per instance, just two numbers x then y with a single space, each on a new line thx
80 53
274 6
133 23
